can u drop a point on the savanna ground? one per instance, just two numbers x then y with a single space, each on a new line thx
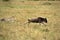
22 11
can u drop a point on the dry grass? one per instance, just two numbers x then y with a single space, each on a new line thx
24 10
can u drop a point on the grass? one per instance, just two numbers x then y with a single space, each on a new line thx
29 9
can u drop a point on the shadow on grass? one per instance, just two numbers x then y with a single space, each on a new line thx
2 37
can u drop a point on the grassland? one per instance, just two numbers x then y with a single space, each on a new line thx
30 9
